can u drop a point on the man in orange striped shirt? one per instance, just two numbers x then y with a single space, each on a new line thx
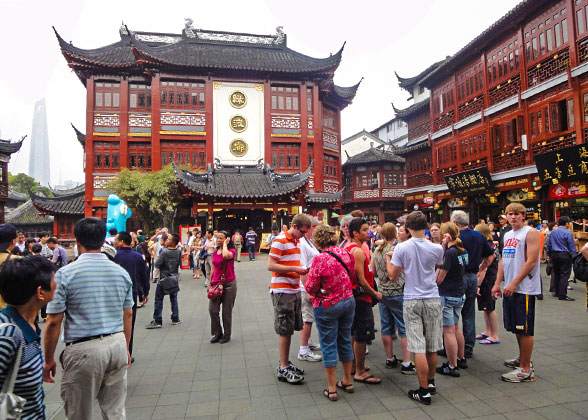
284 263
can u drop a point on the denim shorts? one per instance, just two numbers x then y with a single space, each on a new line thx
334 328
451 309
390 314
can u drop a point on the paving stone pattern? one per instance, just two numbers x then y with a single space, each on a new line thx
178 374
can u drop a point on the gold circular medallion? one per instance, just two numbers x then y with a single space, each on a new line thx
238 123
238 99
239 147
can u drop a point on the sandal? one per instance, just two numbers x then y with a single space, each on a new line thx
366 380
366 369
481 337
345 387
332 396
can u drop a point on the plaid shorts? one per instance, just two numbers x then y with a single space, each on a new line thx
423 319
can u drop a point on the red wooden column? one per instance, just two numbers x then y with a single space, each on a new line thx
89 148
318 136
575 82
339 139
124 123
209 87
267 118
303 127
155 122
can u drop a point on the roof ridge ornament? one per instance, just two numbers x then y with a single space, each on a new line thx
280 35
123 30
189 28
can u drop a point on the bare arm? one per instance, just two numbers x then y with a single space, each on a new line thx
127 328
584 251
359 262
227 255
486 263
499 277
50 337
440 276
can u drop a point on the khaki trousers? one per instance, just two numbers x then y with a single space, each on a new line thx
95 369
227 301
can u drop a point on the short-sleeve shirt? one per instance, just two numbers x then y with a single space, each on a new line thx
328 283
223 266
92 291
59 251
419 258
250 237
29 379
286 251
477 247
454 263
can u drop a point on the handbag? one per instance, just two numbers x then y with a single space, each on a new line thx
216 290
203 253
11 405
170 284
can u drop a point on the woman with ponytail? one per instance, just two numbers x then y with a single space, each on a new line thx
452 292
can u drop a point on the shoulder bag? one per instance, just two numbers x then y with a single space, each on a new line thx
203 253
11 405
216 289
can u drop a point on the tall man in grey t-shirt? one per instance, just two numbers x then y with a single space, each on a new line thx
423 311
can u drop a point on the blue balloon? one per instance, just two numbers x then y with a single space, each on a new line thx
117 214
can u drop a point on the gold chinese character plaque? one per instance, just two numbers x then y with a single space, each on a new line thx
238 99
238 147
238 123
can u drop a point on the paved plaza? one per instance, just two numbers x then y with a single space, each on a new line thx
178 374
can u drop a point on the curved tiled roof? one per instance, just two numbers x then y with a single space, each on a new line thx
324 198
405 150
8 148
61 193
413 109
407 83
373 155
207 50
27 214
62 204
80 136
245 182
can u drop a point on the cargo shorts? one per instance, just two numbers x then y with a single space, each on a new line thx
287 313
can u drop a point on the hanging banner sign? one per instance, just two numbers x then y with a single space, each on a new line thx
567 164
464 183
568 190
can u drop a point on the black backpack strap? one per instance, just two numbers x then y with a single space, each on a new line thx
332 254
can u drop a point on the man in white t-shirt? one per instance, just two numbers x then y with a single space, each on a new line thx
423 311
521 270
307 253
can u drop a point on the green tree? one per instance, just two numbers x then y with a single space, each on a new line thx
23 183
153 196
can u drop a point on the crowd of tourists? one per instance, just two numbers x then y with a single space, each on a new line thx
424 278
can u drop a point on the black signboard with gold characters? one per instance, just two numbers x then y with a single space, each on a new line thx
569 164
464 183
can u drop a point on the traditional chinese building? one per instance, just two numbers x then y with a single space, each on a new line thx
254 125
510 102
66 207
374 183
6 149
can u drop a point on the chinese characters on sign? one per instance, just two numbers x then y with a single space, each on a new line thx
238 99
464 183
238 147
567 164
238 123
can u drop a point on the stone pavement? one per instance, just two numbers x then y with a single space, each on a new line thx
178 374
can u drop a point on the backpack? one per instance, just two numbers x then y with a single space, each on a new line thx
580 266
237 239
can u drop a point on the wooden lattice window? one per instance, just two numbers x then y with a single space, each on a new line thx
548 33
286 156
285 99
139 97
140 155
331 167
191 154
182 94
106 155
107 96
330 119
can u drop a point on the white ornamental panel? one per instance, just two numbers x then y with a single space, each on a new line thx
238 123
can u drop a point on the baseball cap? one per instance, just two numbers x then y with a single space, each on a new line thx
545 221
7 235
502 216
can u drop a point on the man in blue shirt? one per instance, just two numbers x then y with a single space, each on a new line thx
136 266
94 296
479 253
560 248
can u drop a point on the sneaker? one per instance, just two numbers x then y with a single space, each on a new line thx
289 375
152 325
313 346
444 369
515 363
367 350
310 357
414 394
462 363
176 322
432 388
390 364
293 366
518 375
410 370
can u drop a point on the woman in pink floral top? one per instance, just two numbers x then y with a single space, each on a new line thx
329 286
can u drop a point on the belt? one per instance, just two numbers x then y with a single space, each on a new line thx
93 337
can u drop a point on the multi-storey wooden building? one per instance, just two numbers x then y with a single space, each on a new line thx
6 149
374 183
514 96
257 123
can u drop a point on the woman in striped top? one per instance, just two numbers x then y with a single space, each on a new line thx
26 284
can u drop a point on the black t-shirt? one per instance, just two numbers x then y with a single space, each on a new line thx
454 262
